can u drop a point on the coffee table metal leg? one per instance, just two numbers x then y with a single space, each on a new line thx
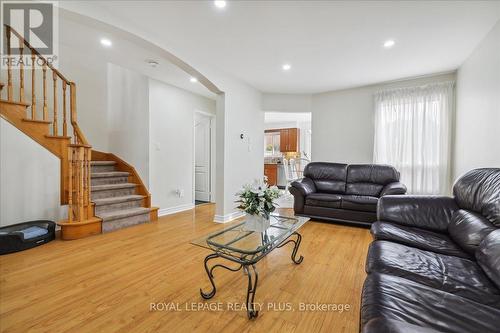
296 248
210 276
296 243
252 288
210 273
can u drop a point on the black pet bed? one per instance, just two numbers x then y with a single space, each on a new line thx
23 236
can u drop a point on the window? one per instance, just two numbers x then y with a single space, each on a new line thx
412 133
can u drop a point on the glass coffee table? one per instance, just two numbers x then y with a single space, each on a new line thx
245 247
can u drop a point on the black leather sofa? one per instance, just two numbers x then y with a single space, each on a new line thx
344 193
434 265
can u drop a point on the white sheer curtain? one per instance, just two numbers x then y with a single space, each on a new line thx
413 133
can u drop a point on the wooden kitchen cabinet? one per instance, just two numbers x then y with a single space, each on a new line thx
289 140
271 172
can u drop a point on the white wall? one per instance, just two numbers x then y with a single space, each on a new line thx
89 72
29 178
477 138
172 144
343 121
128 118
243 158
287 102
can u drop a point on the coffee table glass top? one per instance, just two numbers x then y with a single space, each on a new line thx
236 239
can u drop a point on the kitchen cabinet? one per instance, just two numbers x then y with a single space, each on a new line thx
271 172
289 140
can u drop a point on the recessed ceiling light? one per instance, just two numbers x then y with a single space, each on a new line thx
220 4
389 43
106 42
286 67
193 80
152 63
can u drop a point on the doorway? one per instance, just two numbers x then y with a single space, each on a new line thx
203 157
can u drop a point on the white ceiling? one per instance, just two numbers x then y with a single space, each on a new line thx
330 44
83 35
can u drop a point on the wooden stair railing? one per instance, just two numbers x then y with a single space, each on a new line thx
75 151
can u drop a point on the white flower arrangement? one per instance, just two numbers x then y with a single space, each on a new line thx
258 198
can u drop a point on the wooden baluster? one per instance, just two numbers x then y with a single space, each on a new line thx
89 170
33 84
86 175
77 184
54 124
21 71
70 186
65 124
45 111
72 108
80 167
10 91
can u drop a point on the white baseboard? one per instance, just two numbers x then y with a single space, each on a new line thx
228 217
176 209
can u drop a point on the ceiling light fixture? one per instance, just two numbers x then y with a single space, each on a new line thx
389 43
193 80
152 63
106 42
286 67
220 4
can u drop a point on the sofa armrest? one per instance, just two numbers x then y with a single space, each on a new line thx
421 211
300 189
305 186
393 188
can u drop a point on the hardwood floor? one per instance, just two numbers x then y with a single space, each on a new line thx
106 283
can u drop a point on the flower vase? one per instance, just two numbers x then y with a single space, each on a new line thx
256 223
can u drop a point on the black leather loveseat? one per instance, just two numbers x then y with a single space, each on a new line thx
344 193
435 263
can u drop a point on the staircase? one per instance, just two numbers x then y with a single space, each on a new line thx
103 192
116 200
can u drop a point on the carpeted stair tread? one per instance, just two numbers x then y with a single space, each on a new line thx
112 186
120 214
109 174
115 200
102 162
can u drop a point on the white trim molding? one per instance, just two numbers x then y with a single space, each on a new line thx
228 217
176 209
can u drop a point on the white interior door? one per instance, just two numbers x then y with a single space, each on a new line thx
202 158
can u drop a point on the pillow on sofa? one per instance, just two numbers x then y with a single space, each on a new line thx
468 229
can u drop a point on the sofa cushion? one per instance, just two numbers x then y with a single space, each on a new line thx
394 298
369 189
323 200
369 179
455 275
328 177
479 190
359 202
416 237
488 256
468 229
